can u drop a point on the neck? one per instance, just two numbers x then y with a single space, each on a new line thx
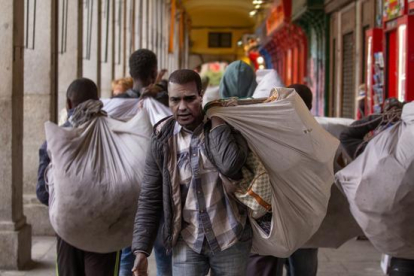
139 84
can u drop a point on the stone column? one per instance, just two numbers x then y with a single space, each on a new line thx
70 46
40 91
119 39
92 41
107 48
15 234
129 34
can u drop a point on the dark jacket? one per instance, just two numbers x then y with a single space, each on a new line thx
352 138
41 190
226 149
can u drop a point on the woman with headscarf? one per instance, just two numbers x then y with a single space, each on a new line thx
239 80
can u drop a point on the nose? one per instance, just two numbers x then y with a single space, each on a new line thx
182 106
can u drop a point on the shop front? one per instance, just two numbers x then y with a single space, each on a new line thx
399 49
286 44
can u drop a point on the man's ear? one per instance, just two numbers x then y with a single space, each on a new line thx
68 104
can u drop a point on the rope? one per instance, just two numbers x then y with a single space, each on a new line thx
388 119
87 111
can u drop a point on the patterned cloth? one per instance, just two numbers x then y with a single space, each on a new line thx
207 211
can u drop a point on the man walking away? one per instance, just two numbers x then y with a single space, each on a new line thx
72 261
144 72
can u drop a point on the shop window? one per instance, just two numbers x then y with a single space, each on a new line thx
348 86
219 40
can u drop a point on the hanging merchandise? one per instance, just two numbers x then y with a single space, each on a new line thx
94 178
125 109
339 226
379 187
298 155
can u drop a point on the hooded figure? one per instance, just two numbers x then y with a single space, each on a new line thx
239 80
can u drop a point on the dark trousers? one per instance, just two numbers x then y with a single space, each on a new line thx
258 265
401 267
303 262
72 261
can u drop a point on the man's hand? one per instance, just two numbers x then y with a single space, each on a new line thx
150 91
160 75
140 265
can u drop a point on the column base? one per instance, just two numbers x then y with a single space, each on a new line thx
16 247
37 216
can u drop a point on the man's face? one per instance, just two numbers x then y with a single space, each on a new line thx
185 104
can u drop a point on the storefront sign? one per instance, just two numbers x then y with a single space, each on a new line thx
280 13
393 9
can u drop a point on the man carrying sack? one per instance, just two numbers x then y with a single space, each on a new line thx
188 174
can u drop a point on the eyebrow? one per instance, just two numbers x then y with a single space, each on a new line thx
185 97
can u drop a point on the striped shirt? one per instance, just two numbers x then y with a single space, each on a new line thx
208 213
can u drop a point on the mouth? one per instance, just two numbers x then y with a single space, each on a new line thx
184 116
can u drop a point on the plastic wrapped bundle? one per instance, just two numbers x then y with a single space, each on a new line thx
298 155
94 179
379 185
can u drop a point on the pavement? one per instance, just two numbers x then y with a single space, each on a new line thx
355 258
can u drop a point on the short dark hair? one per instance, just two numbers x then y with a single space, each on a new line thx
304 92
142 64
184 76
81 90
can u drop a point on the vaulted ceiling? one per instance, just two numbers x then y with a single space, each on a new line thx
220 13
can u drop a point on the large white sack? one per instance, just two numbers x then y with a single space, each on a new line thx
339 225
379 185
94 179
266 80
124 109
298 154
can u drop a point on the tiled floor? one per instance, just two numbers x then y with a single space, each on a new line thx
355 258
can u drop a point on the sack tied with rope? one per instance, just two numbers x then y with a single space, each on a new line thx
94 176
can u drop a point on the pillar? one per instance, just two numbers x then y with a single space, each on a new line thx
40 91
129 33
15 233
107 48
92 41
69 46
119 39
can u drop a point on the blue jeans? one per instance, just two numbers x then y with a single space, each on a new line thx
303 262
230 262
162 259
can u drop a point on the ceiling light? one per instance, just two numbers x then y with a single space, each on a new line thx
252 13
257 7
